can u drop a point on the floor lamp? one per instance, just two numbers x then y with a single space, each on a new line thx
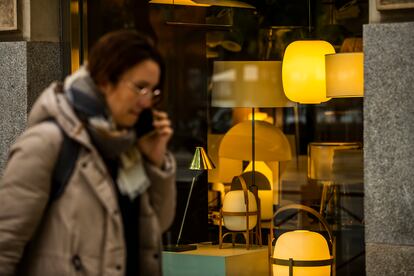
201 162
249 84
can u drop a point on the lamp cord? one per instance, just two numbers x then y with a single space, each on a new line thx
309 16
253 150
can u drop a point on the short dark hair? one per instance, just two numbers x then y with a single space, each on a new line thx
117 52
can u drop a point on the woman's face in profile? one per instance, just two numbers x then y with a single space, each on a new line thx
132 93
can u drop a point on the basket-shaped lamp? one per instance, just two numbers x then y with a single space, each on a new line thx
239 213
301 252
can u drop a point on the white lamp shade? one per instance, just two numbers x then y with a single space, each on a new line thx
270 143
303 71
234 202
248 84
345 75
301 245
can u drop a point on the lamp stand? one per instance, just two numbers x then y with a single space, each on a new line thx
183 247
253 188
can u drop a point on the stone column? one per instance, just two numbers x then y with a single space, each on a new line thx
30 59
26 68
389 148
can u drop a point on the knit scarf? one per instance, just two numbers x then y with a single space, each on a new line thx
111 142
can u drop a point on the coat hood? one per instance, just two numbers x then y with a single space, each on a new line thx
53 104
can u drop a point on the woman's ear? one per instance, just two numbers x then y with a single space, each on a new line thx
106 88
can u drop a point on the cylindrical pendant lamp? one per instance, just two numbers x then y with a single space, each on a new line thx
345 75
303 71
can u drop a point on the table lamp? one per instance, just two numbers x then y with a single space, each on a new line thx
302 252
240 214
251 84
201 162
270 145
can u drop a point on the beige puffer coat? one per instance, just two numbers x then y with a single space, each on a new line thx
81 232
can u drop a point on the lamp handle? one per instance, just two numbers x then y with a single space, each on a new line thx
244 188
306 209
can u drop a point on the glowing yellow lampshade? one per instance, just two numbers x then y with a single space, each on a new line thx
303 71
345 75
248 84
266 196
302 245
226 168
270 143
178 2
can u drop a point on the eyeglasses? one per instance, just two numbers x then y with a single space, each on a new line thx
143 91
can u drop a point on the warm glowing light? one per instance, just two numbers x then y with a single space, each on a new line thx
266 196
302 245
345 75
260 116
270 143
303 71
234 202
178 2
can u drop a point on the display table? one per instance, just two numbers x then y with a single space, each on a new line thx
209 260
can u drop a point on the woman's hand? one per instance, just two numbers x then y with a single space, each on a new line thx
154 144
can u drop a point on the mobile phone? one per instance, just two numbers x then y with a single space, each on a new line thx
144 123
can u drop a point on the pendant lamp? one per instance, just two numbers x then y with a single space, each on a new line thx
345 75
303 71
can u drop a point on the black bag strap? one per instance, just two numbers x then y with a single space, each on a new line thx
66 160
65 164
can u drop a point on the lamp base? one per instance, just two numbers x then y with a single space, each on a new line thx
179 247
